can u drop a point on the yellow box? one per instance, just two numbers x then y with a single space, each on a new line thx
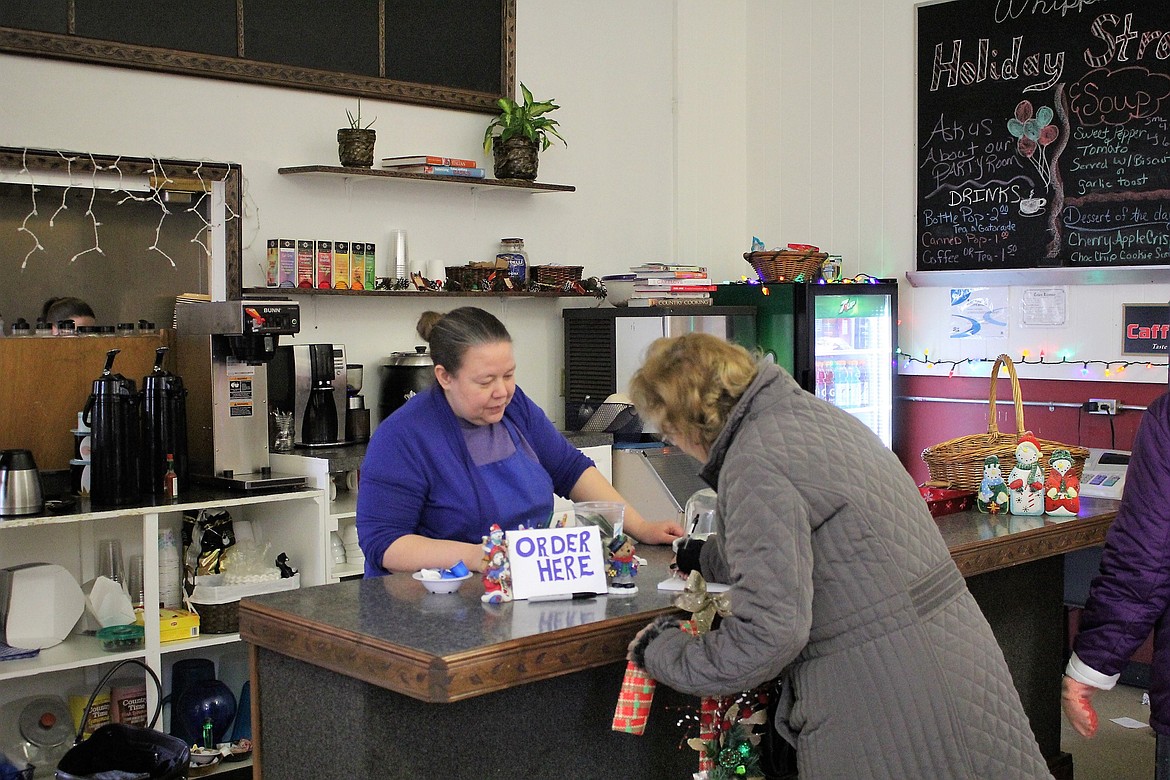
176 624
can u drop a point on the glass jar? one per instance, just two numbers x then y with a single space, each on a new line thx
21 328
512 251
44 329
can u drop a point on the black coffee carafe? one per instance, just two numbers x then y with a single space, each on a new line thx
164 427
112 414
321 423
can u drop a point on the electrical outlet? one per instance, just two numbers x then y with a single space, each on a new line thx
1102 406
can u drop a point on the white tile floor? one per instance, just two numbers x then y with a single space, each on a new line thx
1115 753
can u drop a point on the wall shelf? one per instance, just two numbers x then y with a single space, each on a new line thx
383 173
254 292
1005 277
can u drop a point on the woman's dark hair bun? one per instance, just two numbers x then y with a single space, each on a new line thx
426 323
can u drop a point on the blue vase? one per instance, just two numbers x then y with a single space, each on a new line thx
203 700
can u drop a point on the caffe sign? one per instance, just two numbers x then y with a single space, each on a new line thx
1146 329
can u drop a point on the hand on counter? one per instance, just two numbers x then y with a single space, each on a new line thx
653 531
1076 701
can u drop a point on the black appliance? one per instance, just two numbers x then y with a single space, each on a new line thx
111 412
309 381
164 427
404 375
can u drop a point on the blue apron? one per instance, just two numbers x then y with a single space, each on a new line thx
522 489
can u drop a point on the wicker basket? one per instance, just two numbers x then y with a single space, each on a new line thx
218 618
959 462
556 275
787 265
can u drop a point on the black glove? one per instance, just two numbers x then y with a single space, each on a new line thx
637 649
687 557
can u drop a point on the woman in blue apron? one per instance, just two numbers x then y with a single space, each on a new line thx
469 452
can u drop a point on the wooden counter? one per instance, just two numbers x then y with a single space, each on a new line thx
381 658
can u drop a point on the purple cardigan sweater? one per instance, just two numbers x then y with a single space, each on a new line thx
418 476
1131 595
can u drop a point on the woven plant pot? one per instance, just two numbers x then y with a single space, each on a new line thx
516 158
355 147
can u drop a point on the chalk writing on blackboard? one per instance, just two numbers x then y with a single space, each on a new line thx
1044 134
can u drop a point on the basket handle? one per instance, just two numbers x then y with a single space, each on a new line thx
1017 396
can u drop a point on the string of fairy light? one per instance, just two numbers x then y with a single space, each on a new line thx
1112 368
159 180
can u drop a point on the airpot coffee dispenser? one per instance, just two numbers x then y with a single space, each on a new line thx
223 350
111 412
164 426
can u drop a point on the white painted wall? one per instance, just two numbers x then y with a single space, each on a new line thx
691 126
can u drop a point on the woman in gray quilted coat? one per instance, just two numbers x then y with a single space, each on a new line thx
841 583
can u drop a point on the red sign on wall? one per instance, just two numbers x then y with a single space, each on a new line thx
1147 329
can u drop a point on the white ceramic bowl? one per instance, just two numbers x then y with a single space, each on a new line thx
618 290
449 585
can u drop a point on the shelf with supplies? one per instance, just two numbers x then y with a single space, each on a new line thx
502 185
292 521
252 292
335 471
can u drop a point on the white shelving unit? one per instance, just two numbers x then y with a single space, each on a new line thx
291 521
341 510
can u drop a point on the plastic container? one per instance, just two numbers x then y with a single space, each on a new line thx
121 639
219 604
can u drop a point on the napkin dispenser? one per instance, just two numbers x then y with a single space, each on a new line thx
40 603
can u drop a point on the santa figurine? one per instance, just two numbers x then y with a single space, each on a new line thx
1062 490
497 574
1026 480
993 495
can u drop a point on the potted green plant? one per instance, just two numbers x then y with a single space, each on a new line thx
519 134
355 144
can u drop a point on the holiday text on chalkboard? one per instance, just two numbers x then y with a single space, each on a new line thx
1043 134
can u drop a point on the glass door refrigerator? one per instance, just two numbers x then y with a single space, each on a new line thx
837 341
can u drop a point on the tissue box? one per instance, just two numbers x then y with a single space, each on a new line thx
176 624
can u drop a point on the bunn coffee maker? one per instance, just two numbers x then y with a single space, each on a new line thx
309 381
223 350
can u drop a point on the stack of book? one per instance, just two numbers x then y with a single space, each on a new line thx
670 284
435 165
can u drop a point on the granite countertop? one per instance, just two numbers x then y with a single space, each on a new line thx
389 631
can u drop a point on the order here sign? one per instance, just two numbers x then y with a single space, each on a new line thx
556 561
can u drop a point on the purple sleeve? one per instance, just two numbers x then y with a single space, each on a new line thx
393 483
1133 587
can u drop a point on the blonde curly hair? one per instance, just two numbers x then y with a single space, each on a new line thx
688 385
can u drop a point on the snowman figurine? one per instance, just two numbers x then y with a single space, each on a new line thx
1026 480
1062 490
993 495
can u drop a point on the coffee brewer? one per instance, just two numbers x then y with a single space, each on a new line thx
223 350
309 381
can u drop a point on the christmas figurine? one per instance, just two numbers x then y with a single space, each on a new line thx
497 575
1062 491
993 491
622 567
1027 478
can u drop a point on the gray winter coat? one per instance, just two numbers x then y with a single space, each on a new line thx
841 581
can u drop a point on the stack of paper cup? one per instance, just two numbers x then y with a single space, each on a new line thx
170 570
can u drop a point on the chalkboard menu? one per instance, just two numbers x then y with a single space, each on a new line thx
453 53
1043 134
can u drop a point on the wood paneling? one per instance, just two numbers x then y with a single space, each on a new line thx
47 381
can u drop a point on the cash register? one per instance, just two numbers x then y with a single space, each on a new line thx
1103 475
